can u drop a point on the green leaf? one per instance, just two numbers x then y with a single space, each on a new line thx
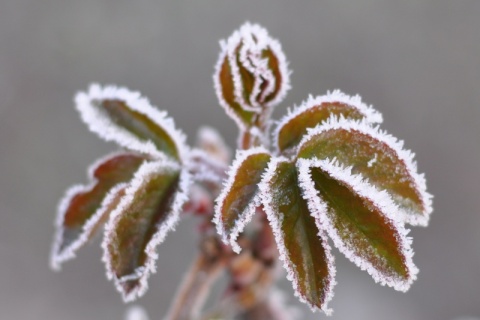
141 221
239 199
303 249
376 156
139 124
275 65
225 89
314 111
360 220
85 208
117 114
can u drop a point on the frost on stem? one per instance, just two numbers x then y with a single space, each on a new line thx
378 157
239 199
85 208
140 222
117 114
251 75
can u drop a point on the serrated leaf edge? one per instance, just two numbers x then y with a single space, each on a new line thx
109 131
276 228
380 199
405 155
246 216
142 273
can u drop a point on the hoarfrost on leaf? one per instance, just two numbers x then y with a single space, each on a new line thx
363 222
251 75
303 248
239 199
312 112
355 143
84 208
149 210
125 117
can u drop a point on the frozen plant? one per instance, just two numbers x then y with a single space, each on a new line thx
324 174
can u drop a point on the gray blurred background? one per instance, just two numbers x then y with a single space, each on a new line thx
418 62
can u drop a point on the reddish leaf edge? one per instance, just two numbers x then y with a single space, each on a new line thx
228 48
381 200
57 257
101 125
275 225
262 41
405 155
143 273
372 116
246 216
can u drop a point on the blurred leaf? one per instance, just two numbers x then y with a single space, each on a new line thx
141 221
84 208
379 158
239 199
360 222
303 249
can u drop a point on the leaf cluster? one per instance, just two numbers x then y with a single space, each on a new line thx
324 174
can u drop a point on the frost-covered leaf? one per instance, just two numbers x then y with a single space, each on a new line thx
304 249
251 75
117 114
362 221
237 203
149 210
212 142
314 111
378 157
85 208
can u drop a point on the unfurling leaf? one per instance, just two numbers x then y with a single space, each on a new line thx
361 220
251 75
378 157
314 111
304 250
117 114
84 208
237 203
149 209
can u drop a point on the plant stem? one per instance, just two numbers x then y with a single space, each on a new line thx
196 286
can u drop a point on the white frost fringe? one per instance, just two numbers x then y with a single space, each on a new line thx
406 156
106 129
68 253
275 223
244 217
141 178
371 115
253 40
380 199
